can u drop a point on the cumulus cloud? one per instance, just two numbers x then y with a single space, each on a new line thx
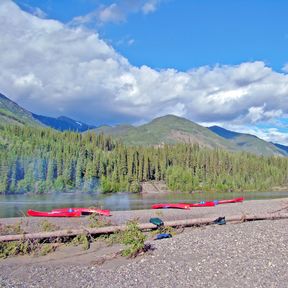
53 69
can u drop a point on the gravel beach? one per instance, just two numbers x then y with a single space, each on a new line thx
249 254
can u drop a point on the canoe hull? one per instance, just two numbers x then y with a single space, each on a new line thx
35 213
235 200
205 204
170 205
84 211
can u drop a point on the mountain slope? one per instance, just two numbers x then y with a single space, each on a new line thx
282 147
227 134
171 129
63 123
249 143
120 131
12 113
168 129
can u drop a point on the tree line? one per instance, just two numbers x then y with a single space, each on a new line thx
41 160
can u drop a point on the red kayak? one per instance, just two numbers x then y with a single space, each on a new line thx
84 211
171 205
235 200
53 213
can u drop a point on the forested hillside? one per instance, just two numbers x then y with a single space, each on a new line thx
41 160
12 113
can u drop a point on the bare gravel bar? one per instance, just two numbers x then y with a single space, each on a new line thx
249 254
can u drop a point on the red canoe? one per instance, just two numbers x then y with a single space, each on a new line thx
84 211
235 200
53 213
170 205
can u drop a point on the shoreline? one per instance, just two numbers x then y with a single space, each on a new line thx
32 224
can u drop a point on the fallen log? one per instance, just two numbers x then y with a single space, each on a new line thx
145 226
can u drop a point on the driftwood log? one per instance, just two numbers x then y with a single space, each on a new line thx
145 226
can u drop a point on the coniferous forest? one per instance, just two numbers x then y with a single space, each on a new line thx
41 160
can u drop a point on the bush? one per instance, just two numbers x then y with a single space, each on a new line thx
133 238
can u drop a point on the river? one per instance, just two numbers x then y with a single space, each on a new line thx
17 205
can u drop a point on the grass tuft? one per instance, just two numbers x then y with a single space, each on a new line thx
47 226
97 221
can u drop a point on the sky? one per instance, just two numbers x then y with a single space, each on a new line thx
214 62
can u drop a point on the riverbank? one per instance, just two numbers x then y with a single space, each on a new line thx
250 254
33 224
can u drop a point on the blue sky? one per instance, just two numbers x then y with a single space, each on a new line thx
214 62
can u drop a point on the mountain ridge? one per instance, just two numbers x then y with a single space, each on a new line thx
12 113
168 129
63 123
250 142
171 129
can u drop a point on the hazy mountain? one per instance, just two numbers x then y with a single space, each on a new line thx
63 123
12 113
250 143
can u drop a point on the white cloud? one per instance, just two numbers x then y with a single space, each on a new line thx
268 134
27 81
275 136
112 13
150 6
49 67
118 11
285 68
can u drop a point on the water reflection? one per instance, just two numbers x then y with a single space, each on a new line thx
17 205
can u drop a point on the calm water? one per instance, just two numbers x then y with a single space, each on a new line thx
17 205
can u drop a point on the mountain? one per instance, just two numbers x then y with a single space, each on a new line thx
12 113
250 143
63 123
168 129
118 130
171 129
282 147
227 134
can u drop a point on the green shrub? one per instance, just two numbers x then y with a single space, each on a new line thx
81 240
133 239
